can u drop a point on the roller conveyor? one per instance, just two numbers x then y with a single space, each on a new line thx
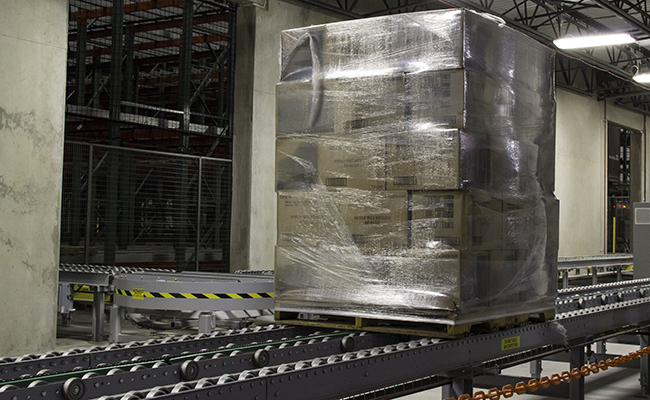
615 262
193 291
311 363
100 279
190 366
161 289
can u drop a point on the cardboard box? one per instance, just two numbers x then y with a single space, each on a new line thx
435 100
425 41
474 221
514 166
423 160
334 161
376 221
294 267
357 105
434 280
301 218
520 222
486 221
296 163
475 101
501 276
439 220
369 222
349 162
332 267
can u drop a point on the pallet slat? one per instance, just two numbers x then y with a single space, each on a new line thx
413 328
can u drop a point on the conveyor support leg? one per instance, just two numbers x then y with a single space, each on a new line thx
565 279
98 314
536 369
205 323
644 340
116 324
458 387
594 275
577 386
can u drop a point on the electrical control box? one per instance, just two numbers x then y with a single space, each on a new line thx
641 239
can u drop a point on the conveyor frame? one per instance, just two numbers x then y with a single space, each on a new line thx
359 373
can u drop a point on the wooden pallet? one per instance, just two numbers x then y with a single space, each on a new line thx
413 328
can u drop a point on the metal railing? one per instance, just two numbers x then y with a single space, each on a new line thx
123 206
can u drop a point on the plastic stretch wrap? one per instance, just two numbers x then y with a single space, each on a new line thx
415 170
415 43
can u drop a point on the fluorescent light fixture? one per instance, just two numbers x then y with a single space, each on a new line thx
642 78
593 41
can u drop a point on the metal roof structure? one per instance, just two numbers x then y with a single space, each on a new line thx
604 72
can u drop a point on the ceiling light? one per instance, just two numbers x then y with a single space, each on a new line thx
641 73
593 41
642 78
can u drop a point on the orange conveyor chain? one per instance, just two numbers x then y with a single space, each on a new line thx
544 382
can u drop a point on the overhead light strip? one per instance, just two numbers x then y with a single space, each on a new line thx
582 42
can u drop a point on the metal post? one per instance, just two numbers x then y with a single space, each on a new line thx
127 200
565 279
594 275
232 24
184 87
112 179
200 93
222 91
116 324
619 273
97 84
458 387
644 379
89 205
224 174
198 212
577 386
136 90
81 62
98 314
129 82
77 175
230 79
536 368
185 70
601 347
205 322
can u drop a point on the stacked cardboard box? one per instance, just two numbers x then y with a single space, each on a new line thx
415 170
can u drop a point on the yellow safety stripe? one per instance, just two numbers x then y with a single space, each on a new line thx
140 294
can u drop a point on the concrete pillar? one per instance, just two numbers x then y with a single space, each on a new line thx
33 39
253 226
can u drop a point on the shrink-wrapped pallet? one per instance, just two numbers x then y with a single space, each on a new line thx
415 170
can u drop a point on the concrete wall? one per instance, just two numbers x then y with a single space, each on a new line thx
581 169
257 72
33 53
